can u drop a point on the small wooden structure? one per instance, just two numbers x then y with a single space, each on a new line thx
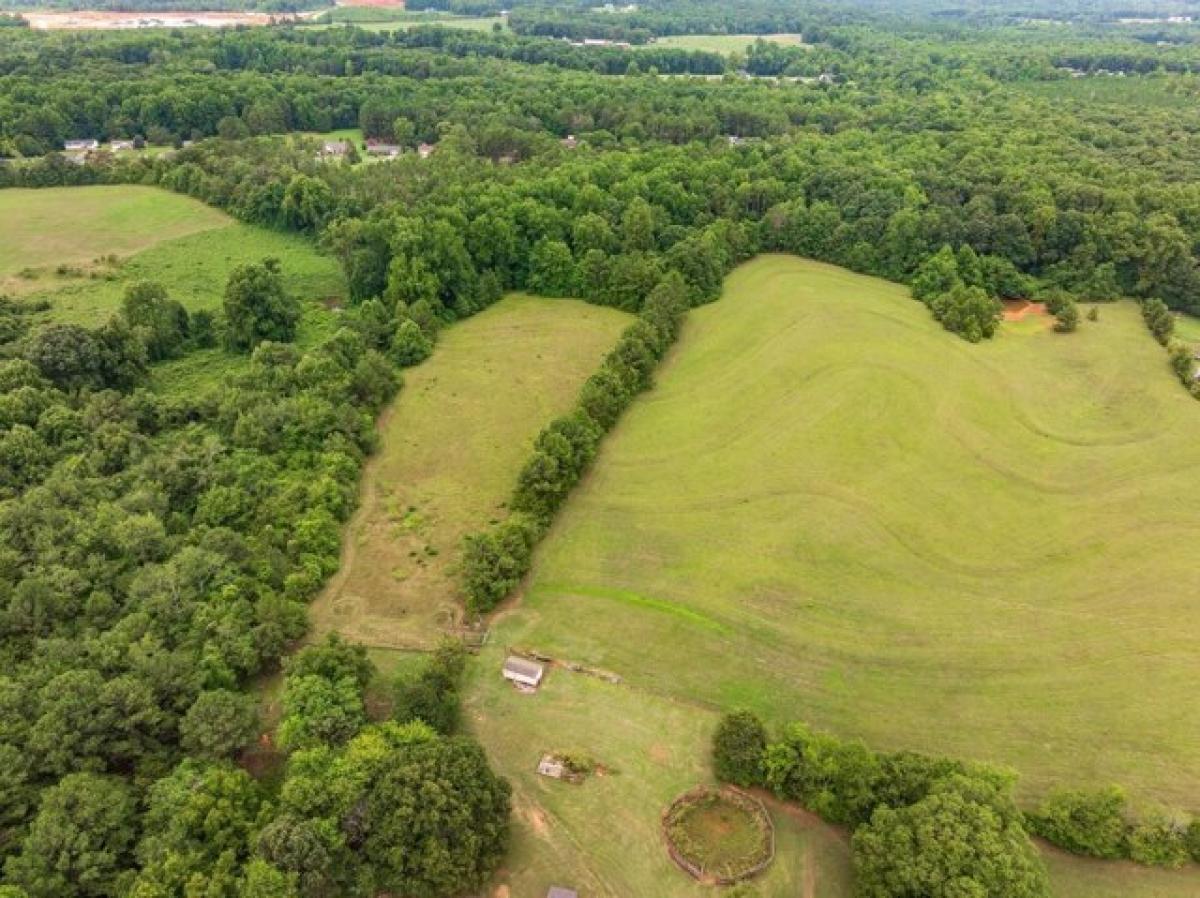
523 673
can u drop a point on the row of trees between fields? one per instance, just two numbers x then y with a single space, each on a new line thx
1181 355
495 560
925 825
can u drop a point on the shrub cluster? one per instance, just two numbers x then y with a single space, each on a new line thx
431 694
1100 823
960 290
1182 357
495 560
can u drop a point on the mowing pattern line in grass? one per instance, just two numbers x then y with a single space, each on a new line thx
978 551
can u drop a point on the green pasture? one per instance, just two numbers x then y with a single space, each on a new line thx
108 237
1187 328
830 509
724 43
602 837
451 446
154 235
75 226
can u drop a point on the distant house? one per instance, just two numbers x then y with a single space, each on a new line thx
735 140
379 148
560 892
570 142
522 672
826 78
81 146
118 146
335 149
425 150
552 767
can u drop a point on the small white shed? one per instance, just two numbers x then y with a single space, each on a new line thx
523 672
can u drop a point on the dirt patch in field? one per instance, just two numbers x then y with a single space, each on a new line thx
536 818
1020 309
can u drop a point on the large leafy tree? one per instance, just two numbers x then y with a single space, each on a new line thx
257 307
436 821
964 840
80 842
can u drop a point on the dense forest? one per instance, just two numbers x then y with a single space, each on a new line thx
158 552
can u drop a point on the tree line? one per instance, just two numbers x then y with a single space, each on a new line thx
925 825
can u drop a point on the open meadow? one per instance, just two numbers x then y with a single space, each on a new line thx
451 446
829 509
121 234
73 226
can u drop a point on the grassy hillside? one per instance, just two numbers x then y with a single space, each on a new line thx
451 447
831 509
73 226
106 237
153 234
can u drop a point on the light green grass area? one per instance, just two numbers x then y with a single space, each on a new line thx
156 235
74 226
724 43
183 244
451 447
830 509
354 135
602 837
1076 877
1187 328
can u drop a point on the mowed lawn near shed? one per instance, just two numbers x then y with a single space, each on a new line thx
106 237
451 447
831 510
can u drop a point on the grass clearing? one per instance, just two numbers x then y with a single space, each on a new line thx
982 551
830 509
73 226
725 43
602 837
452 445
1187 328
156 235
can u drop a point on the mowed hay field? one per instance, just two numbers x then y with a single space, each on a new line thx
830 509
451 447
154 234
